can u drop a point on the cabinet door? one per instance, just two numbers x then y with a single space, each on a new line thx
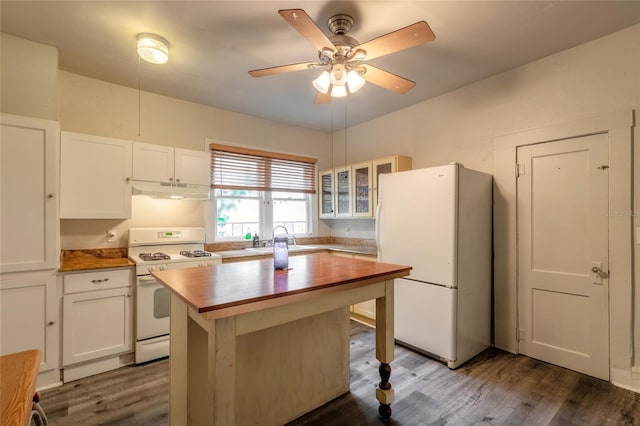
327 198
29 225
96 324
95 177
361 175
153 163
343 191
193 167
29 317
392 164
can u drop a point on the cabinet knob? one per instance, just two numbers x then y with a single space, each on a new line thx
128 180
170 179
51 323
49 195
128 294
178 180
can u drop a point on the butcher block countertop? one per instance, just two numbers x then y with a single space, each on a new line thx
80 260
18 375
232 284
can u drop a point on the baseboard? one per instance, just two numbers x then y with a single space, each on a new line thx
78 371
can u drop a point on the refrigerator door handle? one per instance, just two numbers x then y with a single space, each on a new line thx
377 228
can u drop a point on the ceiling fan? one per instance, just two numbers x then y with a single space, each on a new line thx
343 58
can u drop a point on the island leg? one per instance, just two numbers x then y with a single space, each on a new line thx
384 350
178 362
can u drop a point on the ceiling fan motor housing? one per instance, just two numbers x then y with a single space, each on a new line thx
340 24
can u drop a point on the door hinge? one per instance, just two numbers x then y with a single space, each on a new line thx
519 170
603 167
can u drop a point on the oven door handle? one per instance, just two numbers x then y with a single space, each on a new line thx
147 281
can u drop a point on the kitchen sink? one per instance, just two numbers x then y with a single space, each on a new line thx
293 248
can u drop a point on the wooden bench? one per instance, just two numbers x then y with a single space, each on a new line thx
18 396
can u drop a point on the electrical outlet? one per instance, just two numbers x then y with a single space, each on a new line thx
112 235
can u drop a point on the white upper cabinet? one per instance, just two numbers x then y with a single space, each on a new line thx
352 191
327 196
343 191
95 177
361 191
153 163
28 194
193 167
392 164
158 163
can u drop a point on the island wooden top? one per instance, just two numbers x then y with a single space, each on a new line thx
18 375
233 284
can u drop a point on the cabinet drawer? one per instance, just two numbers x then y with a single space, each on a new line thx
99 280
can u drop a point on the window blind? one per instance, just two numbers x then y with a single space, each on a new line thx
254 170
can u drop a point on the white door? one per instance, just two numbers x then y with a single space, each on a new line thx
562 240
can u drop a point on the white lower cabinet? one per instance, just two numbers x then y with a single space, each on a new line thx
98 322
29 313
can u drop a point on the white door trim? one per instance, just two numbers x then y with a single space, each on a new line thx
619 127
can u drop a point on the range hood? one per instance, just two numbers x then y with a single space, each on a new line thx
167 190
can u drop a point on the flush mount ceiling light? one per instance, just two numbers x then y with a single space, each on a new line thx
153 48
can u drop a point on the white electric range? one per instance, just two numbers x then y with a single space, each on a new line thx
159 249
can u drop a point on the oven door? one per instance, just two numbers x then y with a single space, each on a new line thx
153 308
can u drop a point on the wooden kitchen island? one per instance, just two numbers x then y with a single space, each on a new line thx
250 345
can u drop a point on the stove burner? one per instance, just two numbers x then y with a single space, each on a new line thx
154 256
195 253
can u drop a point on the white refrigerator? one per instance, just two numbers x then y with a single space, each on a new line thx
439 221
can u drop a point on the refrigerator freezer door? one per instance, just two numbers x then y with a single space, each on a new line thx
416 222
425 317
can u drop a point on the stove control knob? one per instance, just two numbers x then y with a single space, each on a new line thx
152 268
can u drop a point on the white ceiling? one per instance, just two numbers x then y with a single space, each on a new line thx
215 43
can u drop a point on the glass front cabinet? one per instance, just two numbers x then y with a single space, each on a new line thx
352 190
327 198
362 202
343 191
392 164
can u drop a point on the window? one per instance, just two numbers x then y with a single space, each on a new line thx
255 191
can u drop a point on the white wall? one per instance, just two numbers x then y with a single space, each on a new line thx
597 78
28 78
100 108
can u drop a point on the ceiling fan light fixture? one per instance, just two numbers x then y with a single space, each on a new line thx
153 48
354 81
339 91
338 75
322 82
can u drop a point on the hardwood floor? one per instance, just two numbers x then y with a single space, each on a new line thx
494 388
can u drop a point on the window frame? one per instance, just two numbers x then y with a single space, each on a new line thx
265 194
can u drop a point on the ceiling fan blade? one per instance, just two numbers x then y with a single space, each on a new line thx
404 38
282 68
323 98
387 80
299 20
